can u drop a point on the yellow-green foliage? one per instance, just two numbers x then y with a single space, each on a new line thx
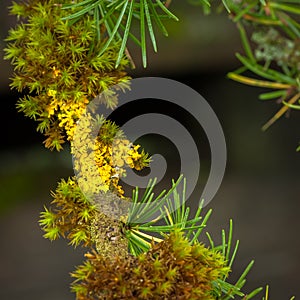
59 66
71 215
172 269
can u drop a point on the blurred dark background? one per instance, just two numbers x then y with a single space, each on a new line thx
260 190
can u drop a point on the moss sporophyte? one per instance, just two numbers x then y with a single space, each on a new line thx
64 54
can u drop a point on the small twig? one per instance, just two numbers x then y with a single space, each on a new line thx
281 112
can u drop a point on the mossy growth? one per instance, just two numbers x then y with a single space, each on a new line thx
125 265
58 66
172 269
71 214
73 217
61 63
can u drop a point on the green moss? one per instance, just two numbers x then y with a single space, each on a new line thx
172 269
70 215
59 65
